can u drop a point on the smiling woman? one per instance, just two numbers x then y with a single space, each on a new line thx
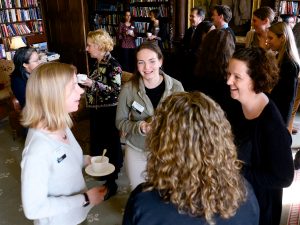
137 102
251 72
53 187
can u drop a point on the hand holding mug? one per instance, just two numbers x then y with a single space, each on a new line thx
88 82
96 194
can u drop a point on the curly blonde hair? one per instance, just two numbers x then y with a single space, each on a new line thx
192 158
102 39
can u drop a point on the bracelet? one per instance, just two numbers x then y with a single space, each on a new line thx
86 200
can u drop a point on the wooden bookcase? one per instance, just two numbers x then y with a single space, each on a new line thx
20 18
107 14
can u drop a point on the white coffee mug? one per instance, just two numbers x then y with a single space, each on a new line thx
99 164
81 78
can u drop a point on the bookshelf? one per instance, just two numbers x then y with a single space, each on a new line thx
19 18
288 7
140 11
107 14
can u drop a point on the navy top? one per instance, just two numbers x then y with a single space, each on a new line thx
147 208
18 86
268 162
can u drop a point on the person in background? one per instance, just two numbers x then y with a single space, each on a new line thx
193 174
137 102
193 35
289 20
103 87
158 29
191 43
268 161
25 60
221 15
211 77
53 187
127 34
296 32
281 40
262 19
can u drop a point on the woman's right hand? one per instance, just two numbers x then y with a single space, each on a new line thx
145 127
96 194
88 82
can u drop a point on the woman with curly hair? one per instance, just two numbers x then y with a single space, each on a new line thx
193 174
252 72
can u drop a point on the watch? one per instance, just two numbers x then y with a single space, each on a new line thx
86 200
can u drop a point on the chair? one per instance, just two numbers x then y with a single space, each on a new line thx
126 76
14 117
6 68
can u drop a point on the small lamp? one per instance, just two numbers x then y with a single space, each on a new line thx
17 42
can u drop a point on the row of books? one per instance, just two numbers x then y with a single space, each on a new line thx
110 19
18 3
141 27
19 15
14 30
134 1
145 11
289 7
109 28
109 7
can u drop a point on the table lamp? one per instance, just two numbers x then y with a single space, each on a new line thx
17 42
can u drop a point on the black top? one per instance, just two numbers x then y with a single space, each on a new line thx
268 162
284 92
155 94
18 86
147 208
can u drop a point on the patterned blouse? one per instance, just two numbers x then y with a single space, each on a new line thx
106 86
127 41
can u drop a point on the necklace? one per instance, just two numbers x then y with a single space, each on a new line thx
64 136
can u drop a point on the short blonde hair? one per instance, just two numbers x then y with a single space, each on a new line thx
192 159
45 97
102 39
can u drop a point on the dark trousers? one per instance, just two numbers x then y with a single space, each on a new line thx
127 59
104 135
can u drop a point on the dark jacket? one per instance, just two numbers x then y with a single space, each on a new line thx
284 92
148 208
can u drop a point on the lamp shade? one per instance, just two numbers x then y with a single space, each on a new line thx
17 42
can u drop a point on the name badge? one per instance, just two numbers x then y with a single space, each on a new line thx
61 158
137 107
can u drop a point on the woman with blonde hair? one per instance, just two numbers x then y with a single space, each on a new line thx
193 174
53 188
281 39
103 87
262 19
